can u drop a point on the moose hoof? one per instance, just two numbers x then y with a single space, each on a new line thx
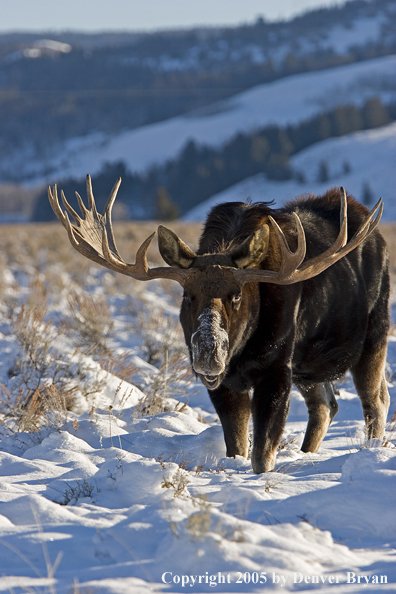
262 464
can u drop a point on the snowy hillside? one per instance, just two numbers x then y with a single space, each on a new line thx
356 161
289 100
130 491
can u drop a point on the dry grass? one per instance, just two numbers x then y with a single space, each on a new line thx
88 321
199 523
178 483
170 381
161 335
29 412
44 377
38 360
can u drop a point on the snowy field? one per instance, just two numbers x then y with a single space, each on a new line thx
369 157
287 101
129 491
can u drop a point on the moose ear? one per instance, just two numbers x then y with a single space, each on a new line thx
173 250
253 250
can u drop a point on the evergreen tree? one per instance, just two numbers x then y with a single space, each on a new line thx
165 208
323 173
300 177
346 167
375 113
367 194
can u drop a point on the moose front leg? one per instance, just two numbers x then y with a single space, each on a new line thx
270 406
233 409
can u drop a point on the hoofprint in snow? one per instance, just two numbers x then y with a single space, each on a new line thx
287 101
355 161
113 500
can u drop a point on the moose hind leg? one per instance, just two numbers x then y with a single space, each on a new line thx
322 408
369 378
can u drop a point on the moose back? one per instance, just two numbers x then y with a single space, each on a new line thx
271 298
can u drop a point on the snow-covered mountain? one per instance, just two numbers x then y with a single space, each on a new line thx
363 162
286 101
135 100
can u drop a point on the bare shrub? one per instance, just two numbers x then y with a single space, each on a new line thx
44 378
38 361
199 523
88 321
89 325
78 489
178 482
285 442
272 482
30 412
161 336
172 380
120 365
173 290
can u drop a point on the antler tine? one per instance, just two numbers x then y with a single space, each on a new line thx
107 216
54 201
91 199
111 199
290 260
81 204
70 209
371 224
343 234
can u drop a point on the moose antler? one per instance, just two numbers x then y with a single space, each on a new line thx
93 237
291 271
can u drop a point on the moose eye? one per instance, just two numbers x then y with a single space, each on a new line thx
187 300
236 299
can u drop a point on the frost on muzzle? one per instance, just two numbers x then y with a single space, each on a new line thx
209 347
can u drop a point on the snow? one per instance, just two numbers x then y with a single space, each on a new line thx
366 30
111 501
309 94
339 38
371 156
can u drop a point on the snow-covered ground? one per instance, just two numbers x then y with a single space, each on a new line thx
109 500
289 100
354 161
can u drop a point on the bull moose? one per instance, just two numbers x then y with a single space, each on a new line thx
271 298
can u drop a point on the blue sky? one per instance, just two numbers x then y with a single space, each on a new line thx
97 15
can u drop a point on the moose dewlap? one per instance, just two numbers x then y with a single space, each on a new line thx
271 298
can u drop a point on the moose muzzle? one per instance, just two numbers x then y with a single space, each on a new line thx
210 347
